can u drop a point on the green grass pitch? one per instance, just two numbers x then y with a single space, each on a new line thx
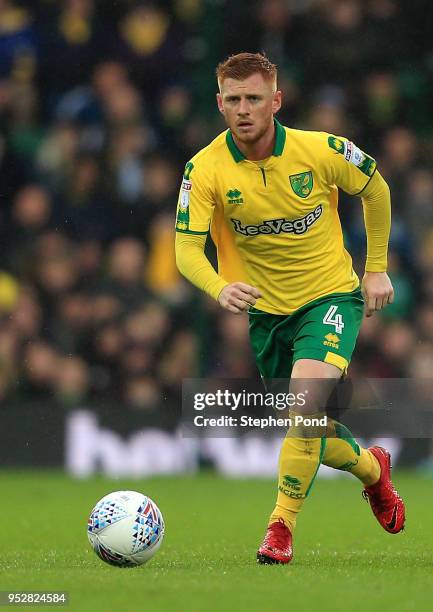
343 559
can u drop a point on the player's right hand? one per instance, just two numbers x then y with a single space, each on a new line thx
238 297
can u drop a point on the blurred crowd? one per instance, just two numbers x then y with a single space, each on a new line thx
101 105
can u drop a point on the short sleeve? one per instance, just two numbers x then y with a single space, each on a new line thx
196 202
351 168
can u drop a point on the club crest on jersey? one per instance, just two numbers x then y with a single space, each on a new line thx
302 183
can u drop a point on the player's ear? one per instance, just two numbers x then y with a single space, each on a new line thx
276 102
220 103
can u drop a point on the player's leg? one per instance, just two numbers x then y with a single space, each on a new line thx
327 331
373 468
345 454
271 340
272 337
343 313
301 454
304 446
318 353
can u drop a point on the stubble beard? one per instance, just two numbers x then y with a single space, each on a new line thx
249 139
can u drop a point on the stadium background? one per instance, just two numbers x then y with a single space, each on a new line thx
101 105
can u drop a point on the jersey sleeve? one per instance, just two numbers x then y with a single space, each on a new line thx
351 169
195 266
376 201
196 201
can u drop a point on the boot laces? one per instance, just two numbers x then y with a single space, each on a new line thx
382 499
277 535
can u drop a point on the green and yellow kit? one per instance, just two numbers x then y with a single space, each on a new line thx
275 222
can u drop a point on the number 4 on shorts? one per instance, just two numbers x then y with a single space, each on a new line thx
337 320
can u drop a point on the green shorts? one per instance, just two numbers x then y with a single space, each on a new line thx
324 329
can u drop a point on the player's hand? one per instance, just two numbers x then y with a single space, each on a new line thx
238 297
377 291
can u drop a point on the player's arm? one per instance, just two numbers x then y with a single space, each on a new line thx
195 209
356 173
376 284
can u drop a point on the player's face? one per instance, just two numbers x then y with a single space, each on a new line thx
248 106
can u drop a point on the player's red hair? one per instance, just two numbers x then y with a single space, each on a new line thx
243 65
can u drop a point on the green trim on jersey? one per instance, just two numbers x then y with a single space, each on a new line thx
236 154
280 141
188 169
188 231
366 184
366 164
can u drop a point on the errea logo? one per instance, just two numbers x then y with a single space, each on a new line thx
291 482
331 340
234 196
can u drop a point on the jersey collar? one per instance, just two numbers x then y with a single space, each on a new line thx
280 140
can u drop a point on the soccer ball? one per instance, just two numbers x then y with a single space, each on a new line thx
125 528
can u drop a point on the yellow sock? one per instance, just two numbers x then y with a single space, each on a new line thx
299 461
343 453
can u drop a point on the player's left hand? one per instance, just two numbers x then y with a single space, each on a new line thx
377 291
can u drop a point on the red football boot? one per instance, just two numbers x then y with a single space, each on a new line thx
387 505
277 545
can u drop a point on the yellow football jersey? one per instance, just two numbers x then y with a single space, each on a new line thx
275 223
